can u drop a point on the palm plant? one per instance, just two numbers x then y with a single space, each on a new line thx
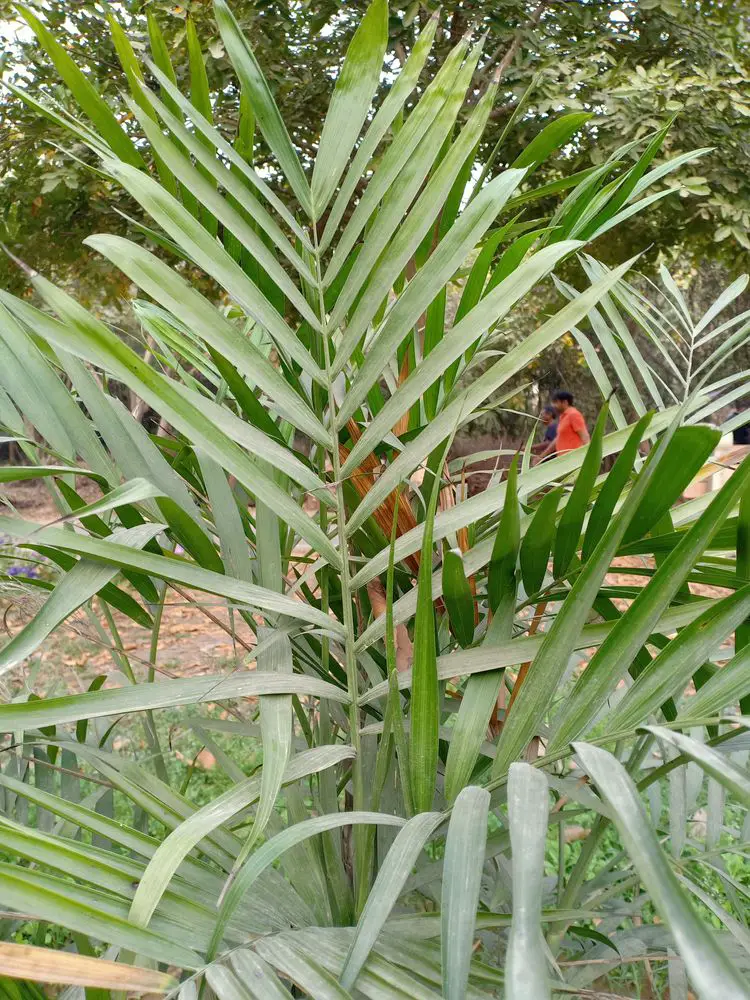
377 850
672 352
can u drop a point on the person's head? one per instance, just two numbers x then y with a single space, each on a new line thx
562 400
548 414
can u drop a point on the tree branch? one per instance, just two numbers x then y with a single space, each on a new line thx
514 46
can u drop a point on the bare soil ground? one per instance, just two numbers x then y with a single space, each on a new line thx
189 644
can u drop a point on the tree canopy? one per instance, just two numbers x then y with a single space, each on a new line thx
633 66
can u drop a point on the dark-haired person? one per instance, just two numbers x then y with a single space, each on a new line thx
571 427
548 417
741 434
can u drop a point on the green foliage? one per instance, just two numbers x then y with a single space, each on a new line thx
632 65
384 833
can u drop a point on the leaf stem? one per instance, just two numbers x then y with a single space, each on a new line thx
352 680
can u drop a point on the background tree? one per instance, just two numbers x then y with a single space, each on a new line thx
633 65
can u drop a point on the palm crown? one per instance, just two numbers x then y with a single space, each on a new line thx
390 618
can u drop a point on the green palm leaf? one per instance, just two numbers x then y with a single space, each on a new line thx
292 361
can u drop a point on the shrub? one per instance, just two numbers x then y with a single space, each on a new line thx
387 847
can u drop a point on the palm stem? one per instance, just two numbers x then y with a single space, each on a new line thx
346 594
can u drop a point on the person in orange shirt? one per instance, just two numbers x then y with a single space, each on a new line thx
571 427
